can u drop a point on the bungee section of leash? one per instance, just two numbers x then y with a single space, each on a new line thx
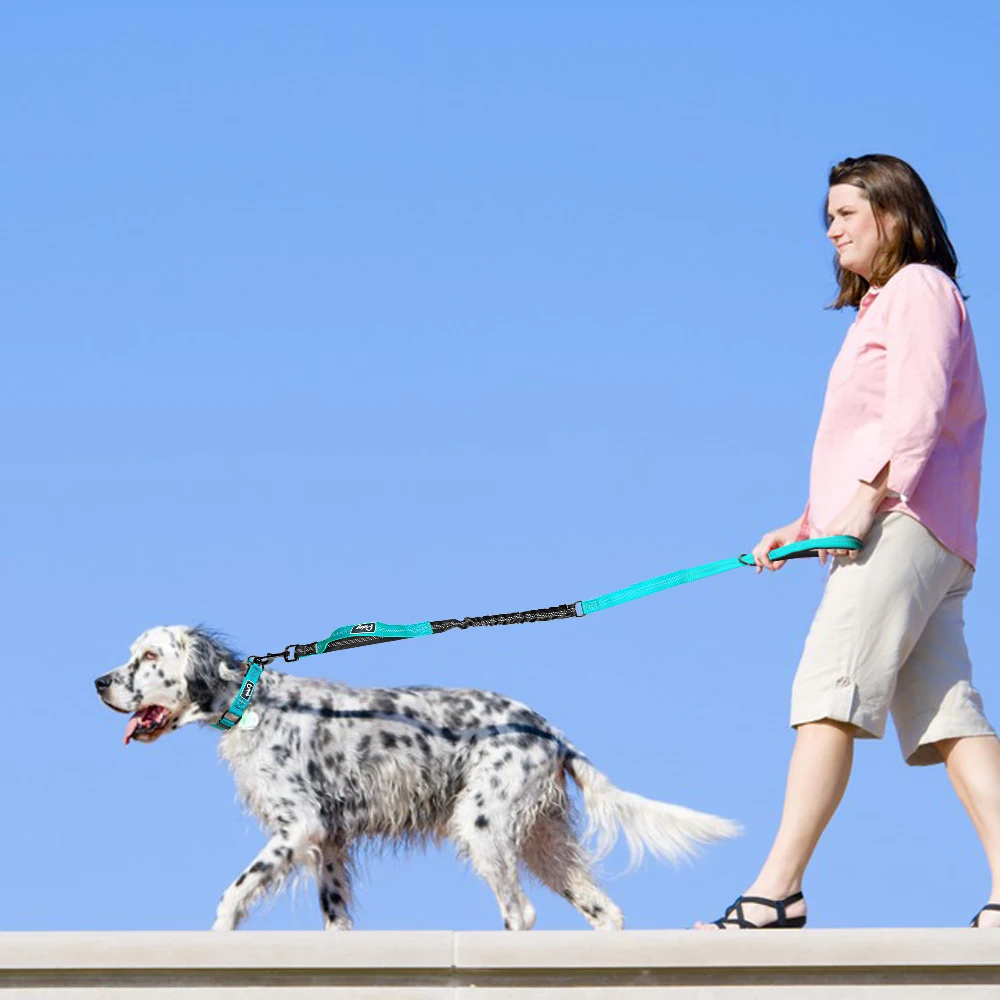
370 633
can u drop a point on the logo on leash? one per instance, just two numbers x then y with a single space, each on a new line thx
247 689
363 629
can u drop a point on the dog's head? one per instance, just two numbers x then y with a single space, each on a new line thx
175 675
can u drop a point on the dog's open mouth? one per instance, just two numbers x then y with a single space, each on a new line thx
145 722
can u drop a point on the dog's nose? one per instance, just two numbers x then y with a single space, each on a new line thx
103 682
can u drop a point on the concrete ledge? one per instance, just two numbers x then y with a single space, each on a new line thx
433 965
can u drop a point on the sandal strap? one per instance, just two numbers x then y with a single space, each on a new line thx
988 906
778 905
739 920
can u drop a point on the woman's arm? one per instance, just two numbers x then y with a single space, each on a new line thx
857 517
923 341
872 494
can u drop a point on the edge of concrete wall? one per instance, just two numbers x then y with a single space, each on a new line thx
437 964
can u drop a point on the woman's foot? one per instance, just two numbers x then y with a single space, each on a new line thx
759 912
988 916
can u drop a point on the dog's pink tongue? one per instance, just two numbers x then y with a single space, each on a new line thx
133 725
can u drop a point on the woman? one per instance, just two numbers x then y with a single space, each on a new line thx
897 463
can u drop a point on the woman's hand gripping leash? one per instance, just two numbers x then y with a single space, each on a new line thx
774 540
855 519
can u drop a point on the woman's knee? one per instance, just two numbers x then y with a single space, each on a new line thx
821 725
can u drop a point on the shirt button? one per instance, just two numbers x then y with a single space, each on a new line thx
843 682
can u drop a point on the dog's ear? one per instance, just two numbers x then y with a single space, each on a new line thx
210 669
228 672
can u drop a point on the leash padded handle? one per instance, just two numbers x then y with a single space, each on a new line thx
812 547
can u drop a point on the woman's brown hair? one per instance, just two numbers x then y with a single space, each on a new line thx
918 236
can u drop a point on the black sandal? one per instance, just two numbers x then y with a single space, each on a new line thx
988 906
778 905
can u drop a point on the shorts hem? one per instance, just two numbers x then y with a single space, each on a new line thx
866 728
924 753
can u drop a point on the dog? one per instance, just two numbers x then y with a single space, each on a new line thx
325 768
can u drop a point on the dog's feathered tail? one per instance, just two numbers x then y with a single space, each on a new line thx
669 832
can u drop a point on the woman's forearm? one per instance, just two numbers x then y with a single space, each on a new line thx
872 494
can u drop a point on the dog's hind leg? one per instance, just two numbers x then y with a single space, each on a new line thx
490 846
552 853
334 883
265 873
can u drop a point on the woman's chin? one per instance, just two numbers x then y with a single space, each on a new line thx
848 264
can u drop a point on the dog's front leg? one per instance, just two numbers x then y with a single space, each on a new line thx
334 883
264 873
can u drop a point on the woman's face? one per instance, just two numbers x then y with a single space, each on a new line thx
852 228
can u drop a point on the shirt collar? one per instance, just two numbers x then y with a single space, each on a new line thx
868 298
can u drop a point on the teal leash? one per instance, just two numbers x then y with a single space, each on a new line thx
797 550
369 633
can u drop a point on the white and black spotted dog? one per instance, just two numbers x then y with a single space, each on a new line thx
328 767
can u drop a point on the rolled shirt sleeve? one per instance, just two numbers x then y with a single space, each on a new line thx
923 339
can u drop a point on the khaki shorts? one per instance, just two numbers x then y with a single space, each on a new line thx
888 636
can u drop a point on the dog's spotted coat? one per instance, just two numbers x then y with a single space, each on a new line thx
328 767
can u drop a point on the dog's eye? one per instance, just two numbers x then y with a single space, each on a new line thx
149 655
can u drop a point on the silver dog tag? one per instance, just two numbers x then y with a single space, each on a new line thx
250 719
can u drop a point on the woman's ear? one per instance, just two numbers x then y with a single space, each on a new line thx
888 226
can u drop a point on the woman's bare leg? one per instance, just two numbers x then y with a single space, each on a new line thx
817 777
973 764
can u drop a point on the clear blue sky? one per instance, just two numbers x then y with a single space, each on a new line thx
319 313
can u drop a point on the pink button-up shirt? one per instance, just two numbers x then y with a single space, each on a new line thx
905 389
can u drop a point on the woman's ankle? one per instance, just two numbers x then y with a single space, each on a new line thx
774 888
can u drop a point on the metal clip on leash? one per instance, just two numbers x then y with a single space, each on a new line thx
369 633
255 666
